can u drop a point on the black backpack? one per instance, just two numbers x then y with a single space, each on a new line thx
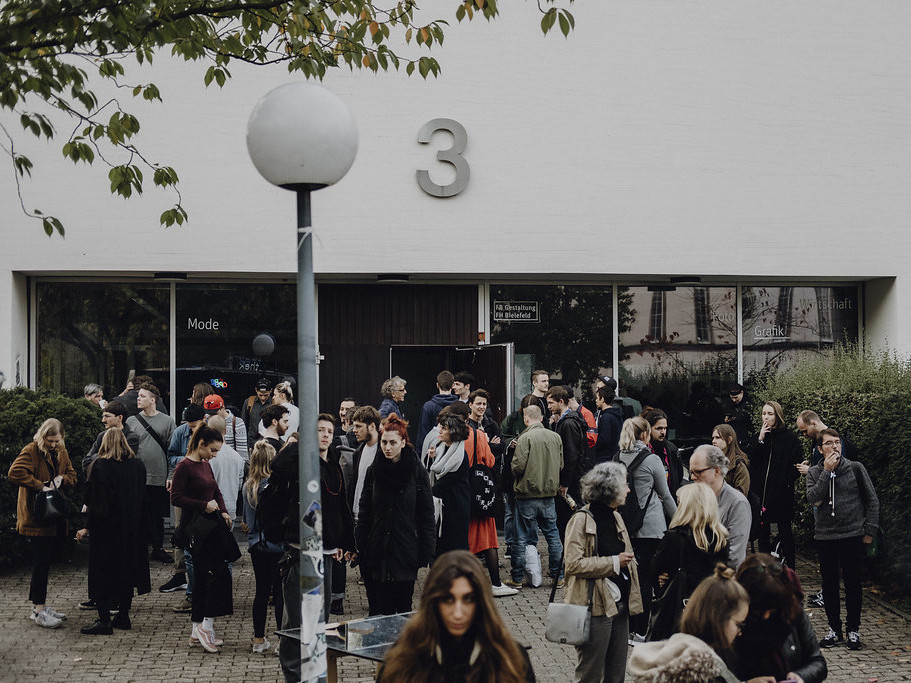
273 508
483 484
634 515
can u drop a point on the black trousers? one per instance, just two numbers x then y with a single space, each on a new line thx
44 549
105 607
268 582
785 535
389 597
156 496
644 549
845 554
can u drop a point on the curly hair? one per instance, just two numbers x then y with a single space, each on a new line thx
456 424
604 482
414 653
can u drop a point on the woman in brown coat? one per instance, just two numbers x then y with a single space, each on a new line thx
40 466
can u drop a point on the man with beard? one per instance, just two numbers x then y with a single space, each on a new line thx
571 428
275 423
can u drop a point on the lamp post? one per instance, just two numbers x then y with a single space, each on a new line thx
301 137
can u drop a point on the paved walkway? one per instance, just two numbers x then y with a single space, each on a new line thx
156 649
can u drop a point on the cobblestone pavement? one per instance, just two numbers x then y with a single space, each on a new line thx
156 649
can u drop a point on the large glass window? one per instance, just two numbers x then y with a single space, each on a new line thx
564 329
229 335
782 325
99 332
678 352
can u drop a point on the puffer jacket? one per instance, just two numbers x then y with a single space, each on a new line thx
583 563
682 658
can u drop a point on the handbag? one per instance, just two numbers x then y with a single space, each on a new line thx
569 624
666 610
49 505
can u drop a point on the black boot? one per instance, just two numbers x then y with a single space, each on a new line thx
99 628
122 621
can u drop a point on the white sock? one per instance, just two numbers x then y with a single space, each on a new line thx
209 623
193 626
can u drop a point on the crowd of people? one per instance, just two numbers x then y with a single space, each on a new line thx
655 543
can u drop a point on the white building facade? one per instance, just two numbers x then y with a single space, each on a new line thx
687 191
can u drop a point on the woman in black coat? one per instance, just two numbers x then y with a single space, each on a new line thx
777 638
395 528
774 455
449 471
118 562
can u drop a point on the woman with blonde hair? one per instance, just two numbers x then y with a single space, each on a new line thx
695 542
118 562
738 476
284 396
774 454
41 466
457 633
702 650
264 554
649 478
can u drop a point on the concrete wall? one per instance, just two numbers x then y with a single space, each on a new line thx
743 140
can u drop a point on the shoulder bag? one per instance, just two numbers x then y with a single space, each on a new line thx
569 624
49 505
666 609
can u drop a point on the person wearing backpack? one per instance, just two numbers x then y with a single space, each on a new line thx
648 507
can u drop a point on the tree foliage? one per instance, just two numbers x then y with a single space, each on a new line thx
54 53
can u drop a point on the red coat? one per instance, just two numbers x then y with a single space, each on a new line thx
482 531
30 470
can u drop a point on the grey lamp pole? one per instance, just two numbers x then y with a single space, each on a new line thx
301 137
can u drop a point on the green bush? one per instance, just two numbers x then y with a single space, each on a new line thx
21 413
867 396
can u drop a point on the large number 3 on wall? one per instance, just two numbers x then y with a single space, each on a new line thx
453 156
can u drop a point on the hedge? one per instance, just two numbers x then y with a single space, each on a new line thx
868 397
21 413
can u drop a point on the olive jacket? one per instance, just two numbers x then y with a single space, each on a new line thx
31 469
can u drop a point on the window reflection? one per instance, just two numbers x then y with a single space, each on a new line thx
682 357
99 332
564 329
781 325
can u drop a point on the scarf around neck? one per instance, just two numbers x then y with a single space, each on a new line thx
449 460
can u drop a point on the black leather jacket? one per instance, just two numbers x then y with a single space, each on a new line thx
800 652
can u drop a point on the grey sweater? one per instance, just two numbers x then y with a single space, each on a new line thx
845 500
651 475
735 513
155 460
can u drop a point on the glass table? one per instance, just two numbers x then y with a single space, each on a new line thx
367 638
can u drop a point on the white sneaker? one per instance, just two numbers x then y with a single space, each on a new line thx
261 648
502 591
54 613
45 619
206 639
194 637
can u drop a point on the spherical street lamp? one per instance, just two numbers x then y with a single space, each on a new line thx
302 137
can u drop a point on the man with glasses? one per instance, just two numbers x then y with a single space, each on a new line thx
708 465
847 518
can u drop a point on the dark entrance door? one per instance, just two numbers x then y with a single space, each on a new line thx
492 367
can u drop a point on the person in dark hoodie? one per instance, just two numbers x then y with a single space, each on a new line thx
610 422
432 408
572 429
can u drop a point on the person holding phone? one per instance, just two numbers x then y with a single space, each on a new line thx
847 518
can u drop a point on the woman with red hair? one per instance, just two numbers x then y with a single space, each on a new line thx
395 530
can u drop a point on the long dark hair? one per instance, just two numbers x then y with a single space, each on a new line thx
410 659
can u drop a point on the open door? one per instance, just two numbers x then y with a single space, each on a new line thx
491 365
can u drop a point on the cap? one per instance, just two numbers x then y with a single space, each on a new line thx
263 384
213 403
610 382
193 413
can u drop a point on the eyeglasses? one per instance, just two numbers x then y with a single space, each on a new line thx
831 443
698 473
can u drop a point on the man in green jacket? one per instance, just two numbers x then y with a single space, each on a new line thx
536 466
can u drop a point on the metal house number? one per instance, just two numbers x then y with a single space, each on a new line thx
452 155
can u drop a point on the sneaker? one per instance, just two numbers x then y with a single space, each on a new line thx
54 613
817 600
194 637
45 619
635 638
854 641
175 583
184 607
98 628
832 639
206 639
513 584
261 648
560 583
161 555
502 591
88 604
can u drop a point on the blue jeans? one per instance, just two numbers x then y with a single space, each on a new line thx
532 513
